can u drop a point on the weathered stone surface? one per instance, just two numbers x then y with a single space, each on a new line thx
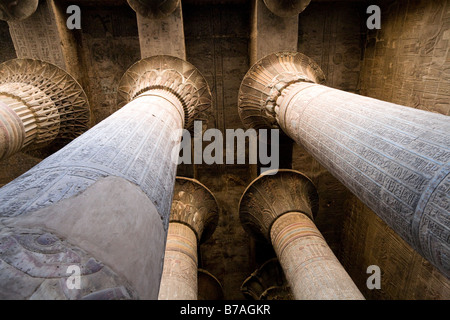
34 265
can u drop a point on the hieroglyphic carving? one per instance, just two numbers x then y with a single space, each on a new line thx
394 158
164 36
34 265
119 146
52 105
37 37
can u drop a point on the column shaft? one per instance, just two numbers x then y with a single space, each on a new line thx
394 158
126 155
311 268
179 278
12 130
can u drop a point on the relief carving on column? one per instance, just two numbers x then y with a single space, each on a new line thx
34 265
155 9
264 82
57 101
194 205
168 73
270 196
15 10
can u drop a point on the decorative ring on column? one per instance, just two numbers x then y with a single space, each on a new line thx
155 9
13 10
264 82
270 196
286 8
172 74
57 101
196 206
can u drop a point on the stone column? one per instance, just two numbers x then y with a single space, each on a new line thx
286 8
13 10
193 219
281 208
107 193
40 104
395 159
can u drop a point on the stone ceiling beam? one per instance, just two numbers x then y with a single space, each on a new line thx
163 35
271 33
45 36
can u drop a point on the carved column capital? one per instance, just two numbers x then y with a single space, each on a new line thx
194 205
271 196
171 74
286 8
155 9
267 283
209 287
13 10
51 104
265 81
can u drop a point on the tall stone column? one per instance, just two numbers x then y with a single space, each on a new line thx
395 159
40 104
108 194
281 208
193 219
